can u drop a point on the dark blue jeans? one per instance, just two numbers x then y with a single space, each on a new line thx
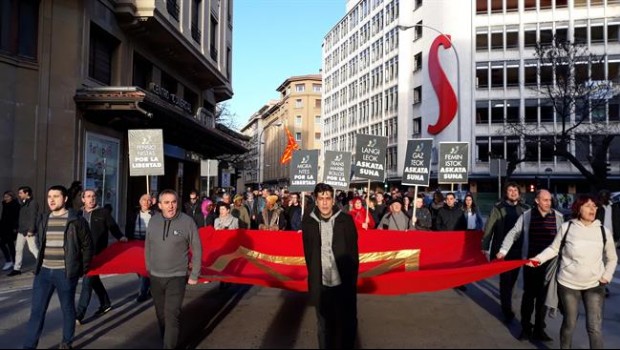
593 302
88 285
45 282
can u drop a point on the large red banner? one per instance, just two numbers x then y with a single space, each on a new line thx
391 262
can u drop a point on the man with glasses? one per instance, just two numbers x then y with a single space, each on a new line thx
192 208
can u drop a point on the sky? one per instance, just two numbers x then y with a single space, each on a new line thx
272 41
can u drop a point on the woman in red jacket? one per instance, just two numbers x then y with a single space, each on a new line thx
362 218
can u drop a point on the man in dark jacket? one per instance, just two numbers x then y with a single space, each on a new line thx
9 220
65 252
26 228
192 208
100 222
331 253
502 219
450 216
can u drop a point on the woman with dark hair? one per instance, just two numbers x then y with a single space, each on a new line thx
362 218
471 213
587 261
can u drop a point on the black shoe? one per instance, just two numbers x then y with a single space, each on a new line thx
14 273
103 309
509 316
142 298
540 335
462 288
526 334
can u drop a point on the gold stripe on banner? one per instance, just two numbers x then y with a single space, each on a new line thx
393 259
410 258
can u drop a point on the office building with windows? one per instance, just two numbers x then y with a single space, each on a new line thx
392 68
76 75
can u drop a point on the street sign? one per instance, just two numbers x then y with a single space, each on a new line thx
337 169
418 162
497 167
453 162
370 152
146 152
304 171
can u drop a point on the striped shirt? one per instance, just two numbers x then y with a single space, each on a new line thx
142 222
542 231
54 257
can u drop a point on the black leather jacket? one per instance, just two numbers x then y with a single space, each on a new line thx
78 244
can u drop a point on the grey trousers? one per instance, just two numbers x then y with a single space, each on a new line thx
593 302
168 294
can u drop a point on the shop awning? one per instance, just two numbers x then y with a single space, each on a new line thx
123 108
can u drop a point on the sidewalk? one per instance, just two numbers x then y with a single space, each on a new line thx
19 282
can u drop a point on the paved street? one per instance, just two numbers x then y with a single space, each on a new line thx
256 317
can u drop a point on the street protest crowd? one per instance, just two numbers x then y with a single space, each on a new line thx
569 259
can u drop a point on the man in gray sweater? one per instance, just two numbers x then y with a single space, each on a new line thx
170 236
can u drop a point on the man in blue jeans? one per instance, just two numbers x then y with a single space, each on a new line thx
65 251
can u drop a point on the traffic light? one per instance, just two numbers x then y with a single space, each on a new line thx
608 168
532 188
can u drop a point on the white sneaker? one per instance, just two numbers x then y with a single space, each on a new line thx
7 266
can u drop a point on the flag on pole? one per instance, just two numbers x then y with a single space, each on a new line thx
290 148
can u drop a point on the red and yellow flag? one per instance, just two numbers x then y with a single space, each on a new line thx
290 148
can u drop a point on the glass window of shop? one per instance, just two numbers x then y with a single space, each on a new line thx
101 169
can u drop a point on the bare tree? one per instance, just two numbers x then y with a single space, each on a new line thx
567 76
224 116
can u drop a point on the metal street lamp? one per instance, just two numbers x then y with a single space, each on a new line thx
277 124
548 171
458 70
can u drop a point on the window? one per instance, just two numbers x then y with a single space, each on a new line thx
316 87
530 72
482 148
512 147
142 71
497 112
317 103
213 34
168 83
597 34
529 38
561 34
546 35
19 26
482 112
531 149
512 37
497 77
482 8
546 112
512 73
497 147
417 126
418 4
300 87
417 95
613 31
531 111
512 5
297 136
298 120
482 41
581 35
546 148
496 6
191 98
317 119
497 38
299 103
482 75
418 31
317 136
101 51
417 62
196 34
512 111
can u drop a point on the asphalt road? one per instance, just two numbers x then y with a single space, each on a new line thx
257 317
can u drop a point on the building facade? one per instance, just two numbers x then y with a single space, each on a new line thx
78 74
299 111
463 71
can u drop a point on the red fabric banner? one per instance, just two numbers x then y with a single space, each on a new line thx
391 262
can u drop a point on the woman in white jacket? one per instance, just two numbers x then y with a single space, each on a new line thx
588 261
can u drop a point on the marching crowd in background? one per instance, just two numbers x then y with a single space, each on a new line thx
573 257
